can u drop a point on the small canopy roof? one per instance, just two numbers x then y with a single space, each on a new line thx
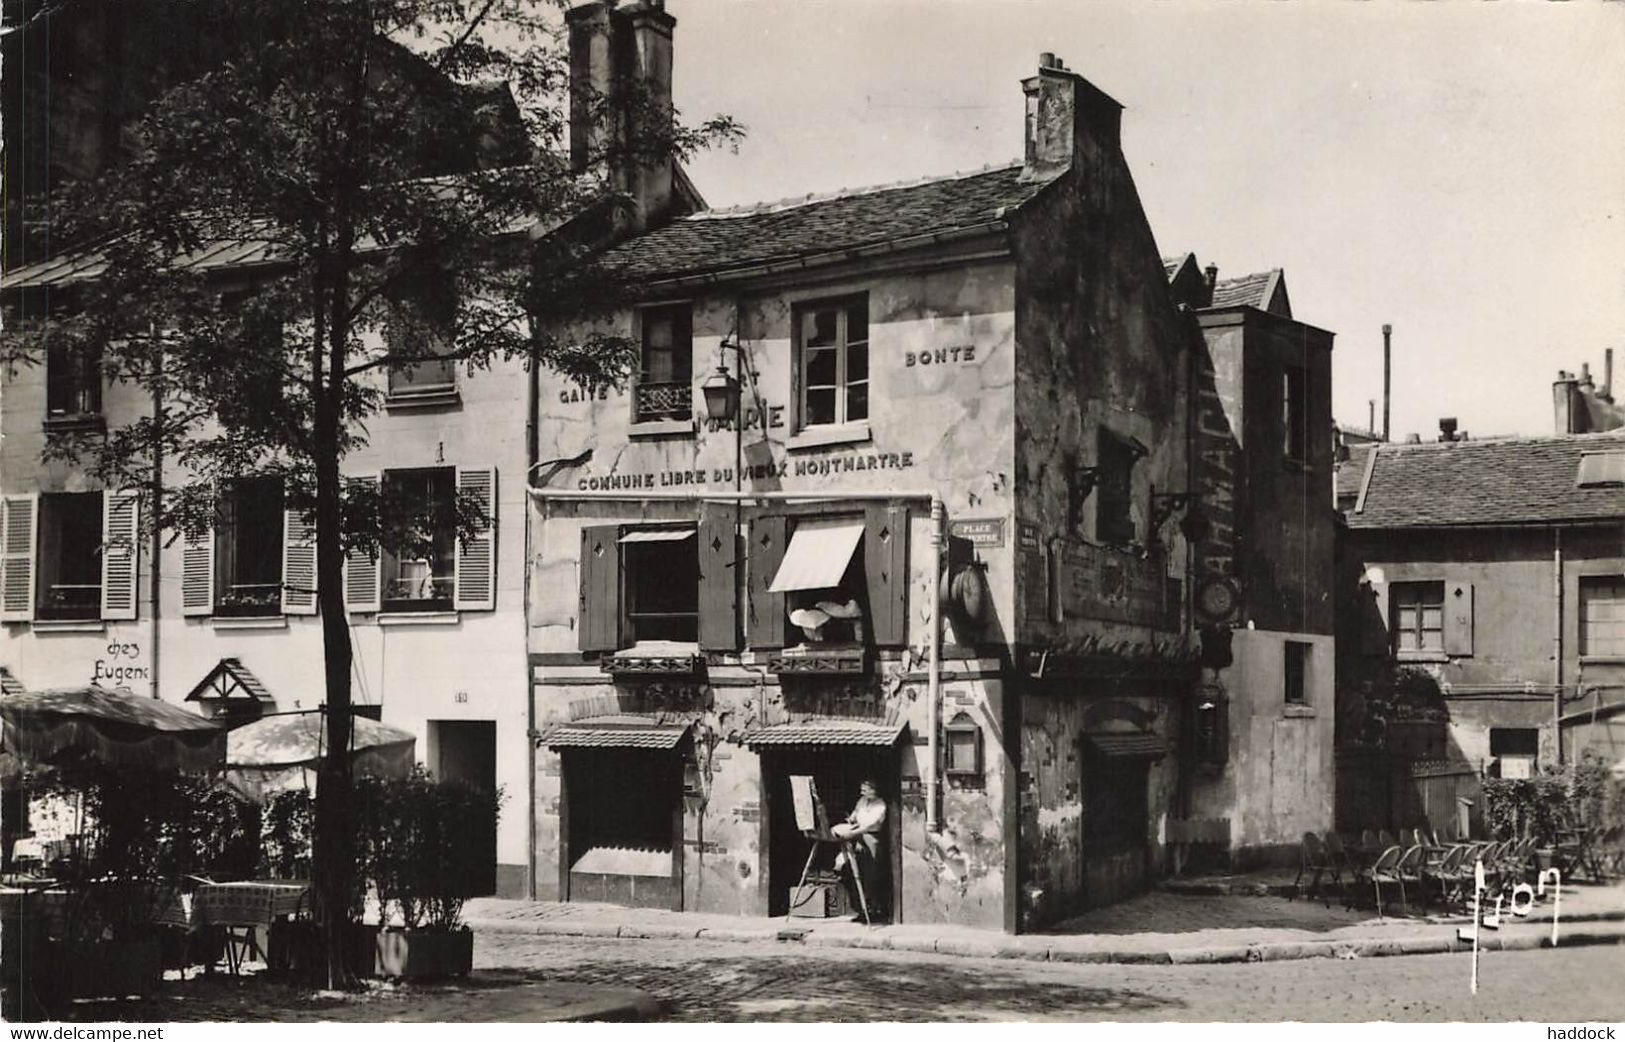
826 731
619 731
818 554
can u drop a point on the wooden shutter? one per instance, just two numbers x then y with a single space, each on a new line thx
885 566
121 553
361 571
1458 618
477 558
298 564
719 569
197 574
600 608
765 621
19 520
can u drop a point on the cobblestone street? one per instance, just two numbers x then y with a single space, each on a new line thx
729 982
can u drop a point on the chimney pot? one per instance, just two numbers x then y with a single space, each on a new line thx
1608 375
1046 60
1585 374
1413 439
1447 428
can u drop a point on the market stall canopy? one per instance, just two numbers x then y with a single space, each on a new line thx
111 726
278 753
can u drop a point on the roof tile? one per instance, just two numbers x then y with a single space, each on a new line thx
1488 482
826 731
720 240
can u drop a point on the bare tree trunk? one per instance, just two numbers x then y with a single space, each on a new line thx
334 839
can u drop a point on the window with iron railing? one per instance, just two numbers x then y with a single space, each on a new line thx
248 548
420 553
665 388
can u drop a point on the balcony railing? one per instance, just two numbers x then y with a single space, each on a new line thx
664 401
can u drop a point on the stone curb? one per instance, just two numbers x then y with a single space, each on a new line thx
976 948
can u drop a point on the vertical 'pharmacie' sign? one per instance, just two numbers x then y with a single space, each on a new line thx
1218 459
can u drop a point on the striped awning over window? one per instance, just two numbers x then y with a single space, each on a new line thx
826 731
818 554
621 731
1130 744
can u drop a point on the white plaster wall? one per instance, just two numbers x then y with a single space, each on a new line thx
474 669
1281 756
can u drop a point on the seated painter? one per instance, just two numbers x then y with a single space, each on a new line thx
862 831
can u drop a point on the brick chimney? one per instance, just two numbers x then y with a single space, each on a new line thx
1212 273
1068 118
620 100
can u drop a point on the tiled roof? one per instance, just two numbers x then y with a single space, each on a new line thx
1497 481
718 241
1248 290
619 731
825 731
1171 265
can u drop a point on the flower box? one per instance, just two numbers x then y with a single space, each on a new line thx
420 954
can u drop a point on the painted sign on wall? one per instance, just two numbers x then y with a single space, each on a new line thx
1218 463
1098 582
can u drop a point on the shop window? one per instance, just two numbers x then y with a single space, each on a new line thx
1114 489
1602 616
962 748
832 351
1418 616
73 383
661 575
665 387
420 539
1296 671
70 556
1295 413
248 548
621 799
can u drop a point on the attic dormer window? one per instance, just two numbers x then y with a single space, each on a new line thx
1601 470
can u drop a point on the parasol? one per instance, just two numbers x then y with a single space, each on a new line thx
277 753
110 726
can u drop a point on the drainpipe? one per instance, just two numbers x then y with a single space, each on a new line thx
933 677
532 451
1557 640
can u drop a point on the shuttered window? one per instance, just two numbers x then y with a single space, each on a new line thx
249 548
121 552
1418 616
1602 616
875 580
70 556
419 539
19 517
476 564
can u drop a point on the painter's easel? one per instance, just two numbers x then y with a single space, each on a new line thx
814 825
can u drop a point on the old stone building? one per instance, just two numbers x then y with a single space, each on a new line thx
1481 590
893 496
1262 470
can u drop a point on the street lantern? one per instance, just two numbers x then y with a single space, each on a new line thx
721 392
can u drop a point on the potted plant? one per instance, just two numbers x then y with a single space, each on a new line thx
427 862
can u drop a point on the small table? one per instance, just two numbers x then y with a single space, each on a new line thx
239 908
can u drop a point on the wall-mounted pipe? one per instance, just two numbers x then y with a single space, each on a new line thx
1557 640
939 544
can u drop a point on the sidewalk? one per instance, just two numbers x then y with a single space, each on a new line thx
1158 927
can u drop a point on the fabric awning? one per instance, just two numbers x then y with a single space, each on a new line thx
826 731
658 535
818 554
617 732
1127 744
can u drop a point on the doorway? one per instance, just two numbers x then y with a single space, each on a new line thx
837 770
1116 828
466 751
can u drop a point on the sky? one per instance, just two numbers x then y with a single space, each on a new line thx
1455 168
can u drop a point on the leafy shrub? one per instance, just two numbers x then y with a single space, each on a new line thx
1573 795
425 841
